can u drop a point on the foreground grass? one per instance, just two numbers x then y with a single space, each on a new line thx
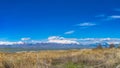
86 58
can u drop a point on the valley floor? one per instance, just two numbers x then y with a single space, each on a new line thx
85 58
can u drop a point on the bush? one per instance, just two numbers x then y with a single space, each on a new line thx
73 65
99 46
112 46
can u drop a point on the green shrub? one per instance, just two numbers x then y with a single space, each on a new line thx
73 65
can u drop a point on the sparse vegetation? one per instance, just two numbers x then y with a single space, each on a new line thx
85 58
99 46
112 46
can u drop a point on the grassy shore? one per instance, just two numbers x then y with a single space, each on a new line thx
85 58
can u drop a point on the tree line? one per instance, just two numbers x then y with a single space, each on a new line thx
100 46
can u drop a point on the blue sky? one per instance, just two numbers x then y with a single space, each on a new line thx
39 19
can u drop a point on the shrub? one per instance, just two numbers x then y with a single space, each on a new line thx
73 65
99 46
112 46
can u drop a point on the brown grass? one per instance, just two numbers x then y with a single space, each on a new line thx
86 58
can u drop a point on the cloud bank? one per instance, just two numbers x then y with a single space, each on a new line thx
10 43
62 40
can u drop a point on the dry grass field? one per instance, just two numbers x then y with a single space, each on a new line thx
85 58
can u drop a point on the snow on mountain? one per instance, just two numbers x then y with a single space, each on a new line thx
10 43
62 40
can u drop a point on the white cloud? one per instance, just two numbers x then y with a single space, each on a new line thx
115 16
86 24
100 39
69 32
86 41
112 17
109 18
36 41
25 39
62 40
55 38
10 43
